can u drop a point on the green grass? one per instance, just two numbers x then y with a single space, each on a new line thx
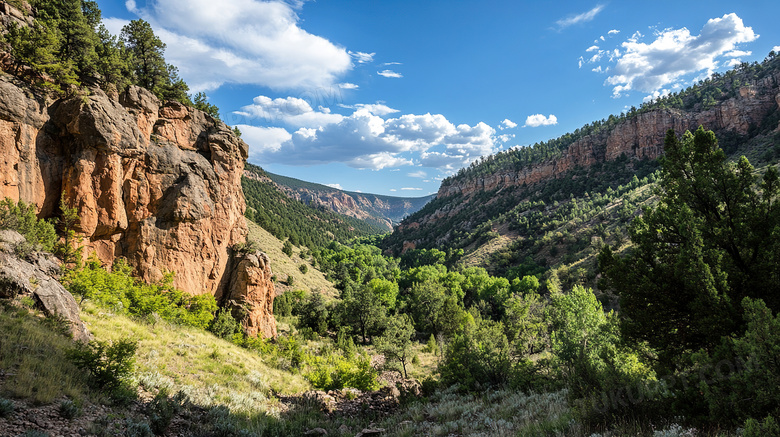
32 358
282 265
211 371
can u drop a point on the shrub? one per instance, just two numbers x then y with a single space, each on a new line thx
163 408
69 409
109 364
335 373
137 429
6 407
224 325
303 268
120 292
21 217
767 427
478 356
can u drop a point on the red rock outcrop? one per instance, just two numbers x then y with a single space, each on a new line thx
638 137
251 288
156 183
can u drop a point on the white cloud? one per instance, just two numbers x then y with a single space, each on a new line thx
417 174
613 32
776 49
292 111
367 138
507 124
362 57
592 48
393 190
411 189
336 186
675 53
737 53
243 42
579 18
348 86
391 63
389 73
537 120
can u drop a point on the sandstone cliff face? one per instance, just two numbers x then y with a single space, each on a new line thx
639 137
157 183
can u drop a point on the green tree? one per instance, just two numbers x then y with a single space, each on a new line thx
314 314
363 310
201 102
712 240
146 51
396 342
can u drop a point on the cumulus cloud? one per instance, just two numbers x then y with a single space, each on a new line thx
389 73
243 42
362 57
579 18
776 49
613 32
368 138
507 124
417 174
592 48
336 186
675 53
292 111
537 120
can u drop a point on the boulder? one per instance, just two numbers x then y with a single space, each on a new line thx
32 277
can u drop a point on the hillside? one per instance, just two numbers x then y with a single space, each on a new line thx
545 204
380 211
289 218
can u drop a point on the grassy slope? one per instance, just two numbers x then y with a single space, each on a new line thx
282 266
210 370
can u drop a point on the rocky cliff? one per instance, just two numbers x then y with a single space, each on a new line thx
638 137
155 182
384 211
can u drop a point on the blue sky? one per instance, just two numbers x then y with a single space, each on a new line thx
390 97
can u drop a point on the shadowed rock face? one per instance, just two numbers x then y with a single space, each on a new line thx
156 183
34 277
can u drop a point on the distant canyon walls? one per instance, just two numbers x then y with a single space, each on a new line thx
638 137
156 183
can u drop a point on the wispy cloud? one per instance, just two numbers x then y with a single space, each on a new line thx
537 120
389 73
411 189
613 32
348 86
362 57
579 18
336 186
417 174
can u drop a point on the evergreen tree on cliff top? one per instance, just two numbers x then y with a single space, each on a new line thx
712 240
146 50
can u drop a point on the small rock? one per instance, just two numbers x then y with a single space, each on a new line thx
344 429
370 431
316 431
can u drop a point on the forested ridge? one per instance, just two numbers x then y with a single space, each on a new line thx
289 219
